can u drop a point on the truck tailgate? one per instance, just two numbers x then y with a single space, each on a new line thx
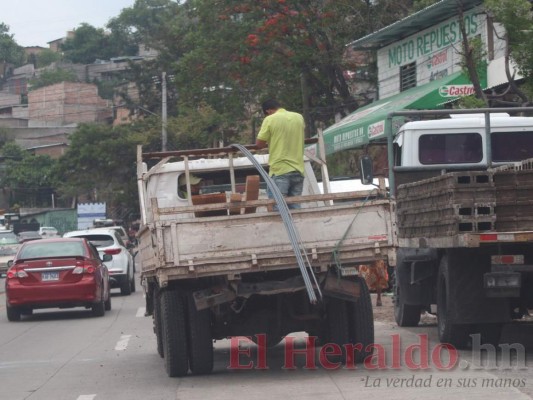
225 245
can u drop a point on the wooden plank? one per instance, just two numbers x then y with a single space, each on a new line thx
360 196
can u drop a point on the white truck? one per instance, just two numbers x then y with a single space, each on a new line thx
463 188
219 263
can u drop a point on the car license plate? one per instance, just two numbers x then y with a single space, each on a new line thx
50 276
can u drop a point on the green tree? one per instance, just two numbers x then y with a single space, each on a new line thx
49 77
28 176
47 57
100 164
516 16
90 43
231 55
10 51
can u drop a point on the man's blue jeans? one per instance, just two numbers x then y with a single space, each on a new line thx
289 184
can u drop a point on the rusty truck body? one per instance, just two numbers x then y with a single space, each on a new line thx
223 263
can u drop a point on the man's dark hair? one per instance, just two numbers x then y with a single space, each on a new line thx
270 104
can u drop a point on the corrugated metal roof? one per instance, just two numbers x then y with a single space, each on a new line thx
412 24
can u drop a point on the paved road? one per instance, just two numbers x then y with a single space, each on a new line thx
70 355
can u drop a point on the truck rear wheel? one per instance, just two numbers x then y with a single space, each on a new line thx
200 340
157 323
175 344
361 322
449 332
337 321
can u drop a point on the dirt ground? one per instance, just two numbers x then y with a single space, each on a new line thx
385 313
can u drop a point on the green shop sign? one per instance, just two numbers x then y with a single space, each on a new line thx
427 42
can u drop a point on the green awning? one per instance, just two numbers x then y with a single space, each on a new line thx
368 123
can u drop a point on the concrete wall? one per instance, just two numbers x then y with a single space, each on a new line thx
68 102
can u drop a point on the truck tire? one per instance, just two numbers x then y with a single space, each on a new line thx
157 323
175 343
490 333
200 340
404 314
449 331
361 322
337 322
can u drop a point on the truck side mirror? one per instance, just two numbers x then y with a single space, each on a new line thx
365 167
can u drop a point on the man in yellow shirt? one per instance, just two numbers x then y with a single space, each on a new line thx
283 132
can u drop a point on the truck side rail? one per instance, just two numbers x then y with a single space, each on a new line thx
367 197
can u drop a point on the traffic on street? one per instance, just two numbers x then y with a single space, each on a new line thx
71 355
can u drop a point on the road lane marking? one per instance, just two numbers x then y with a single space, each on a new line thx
140 312
122 344
86 397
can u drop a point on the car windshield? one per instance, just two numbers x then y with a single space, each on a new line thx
38 249
99 240
8 238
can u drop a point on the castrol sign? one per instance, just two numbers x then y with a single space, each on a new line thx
456 90
376 129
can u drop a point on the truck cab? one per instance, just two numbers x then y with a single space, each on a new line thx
425 148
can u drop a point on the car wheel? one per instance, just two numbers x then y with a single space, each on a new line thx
13 313
98 309
125 286
107 304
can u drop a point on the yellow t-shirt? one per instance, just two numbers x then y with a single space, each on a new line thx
284 133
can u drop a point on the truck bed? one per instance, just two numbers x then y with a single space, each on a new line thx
467 209
192 247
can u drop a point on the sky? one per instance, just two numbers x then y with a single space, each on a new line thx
37 22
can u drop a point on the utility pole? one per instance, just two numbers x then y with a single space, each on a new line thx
164 111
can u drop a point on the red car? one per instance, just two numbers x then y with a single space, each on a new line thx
58 272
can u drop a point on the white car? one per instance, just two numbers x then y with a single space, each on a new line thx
9 245
121 267
47 232
121 232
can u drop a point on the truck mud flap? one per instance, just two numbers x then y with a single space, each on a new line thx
343 288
